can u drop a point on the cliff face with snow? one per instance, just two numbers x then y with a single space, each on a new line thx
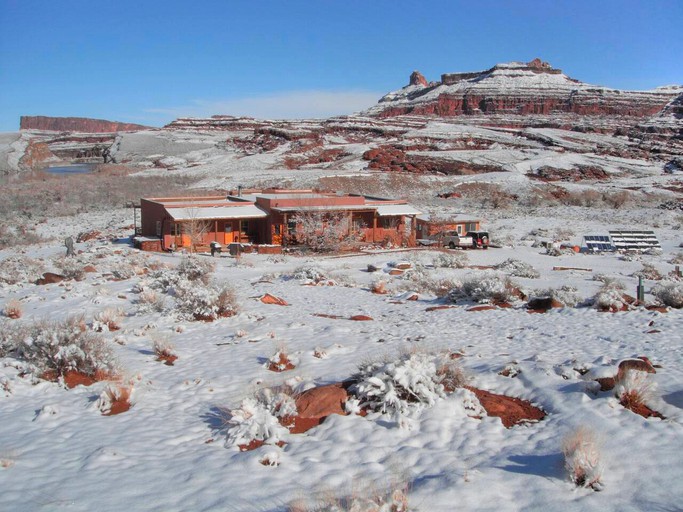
518 88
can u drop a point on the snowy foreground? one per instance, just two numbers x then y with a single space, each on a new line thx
169 451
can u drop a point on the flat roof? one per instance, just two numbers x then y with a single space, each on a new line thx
325 208
389 210
248 211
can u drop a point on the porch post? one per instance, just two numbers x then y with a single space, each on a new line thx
374 226
285 231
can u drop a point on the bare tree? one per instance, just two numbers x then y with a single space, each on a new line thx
195 228
324 231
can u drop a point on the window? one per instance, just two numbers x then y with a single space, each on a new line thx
228 227
471 226
176 229
291 228
244 226
158 228
459 229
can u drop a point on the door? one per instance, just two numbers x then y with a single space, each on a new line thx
227 233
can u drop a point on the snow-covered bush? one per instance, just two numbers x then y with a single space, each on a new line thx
426 284
677 259
108 320
582 458
450 260
669 293
518 268
149 300
20 269
649 271
204 302
70 268
309 273
565 294
13 309
392 499
610 297
558 251
114 394
396 387
378 286
485 287
163 348
258 419
59 346
633 388
195 269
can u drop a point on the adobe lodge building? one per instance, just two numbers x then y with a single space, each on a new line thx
267 217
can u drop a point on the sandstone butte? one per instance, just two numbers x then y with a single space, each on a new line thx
76 124
533 87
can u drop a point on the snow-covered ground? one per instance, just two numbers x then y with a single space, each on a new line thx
168 452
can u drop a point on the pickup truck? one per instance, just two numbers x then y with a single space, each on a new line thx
451 239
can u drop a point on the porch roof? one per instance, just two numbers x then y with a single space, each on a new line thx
247 211
325 208
390 210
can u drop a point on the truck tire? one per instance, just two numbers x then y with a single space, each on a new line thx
451 245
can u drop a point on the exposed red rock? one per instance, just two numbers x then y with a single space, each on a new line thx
76 124
416 78
50 278
543 304
519 88
36 155
314 405
361 318
512 411
272 299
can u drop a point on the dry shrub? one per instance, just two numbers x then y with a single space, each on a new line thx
670 293
150 300
115 398
108 320
485 287
518 268
13 309
634 388
677 259
363 498
70 268
610 297
649 271
379 286
618 199
59 347
163 348
582 458
450 260
20 269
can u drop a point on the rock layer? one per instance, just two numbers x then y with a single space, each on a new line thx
76 124
518 88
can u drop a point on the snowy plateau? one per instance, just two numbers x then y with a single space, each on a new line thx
173 412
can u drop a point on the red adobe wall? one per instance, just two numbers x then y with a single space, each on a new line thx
150 213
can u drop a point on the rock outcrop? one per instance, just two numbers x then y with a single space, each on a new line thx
518 88
77 124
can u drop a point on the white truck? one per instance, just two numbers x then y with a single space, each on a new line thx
452 240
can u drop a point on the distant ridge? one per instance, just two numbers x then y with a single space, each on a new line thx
520 88
77 124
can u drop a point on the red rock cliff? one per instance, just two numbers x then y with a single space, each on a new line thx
77 124
520 89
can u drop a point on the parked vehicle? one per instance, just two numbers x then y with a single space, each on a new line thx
480 239
449 239
452 240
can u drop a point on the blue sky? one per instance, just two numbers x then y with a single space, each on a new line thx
151 61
